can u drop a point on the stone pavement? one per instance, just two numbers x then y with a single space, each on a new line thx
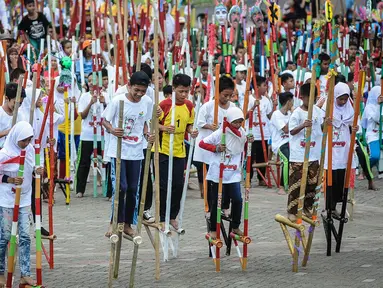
82 251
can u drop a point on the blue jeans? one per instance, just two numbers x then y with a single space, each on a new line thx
61 144
229 191
374 153
129 179
6 215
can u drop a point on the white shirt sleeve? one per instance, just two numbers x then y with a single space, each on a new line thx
201 121
214 138
3 15
277 122
294 120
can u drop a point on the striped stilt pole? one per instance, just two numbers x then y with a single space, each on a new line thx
38 216
12 250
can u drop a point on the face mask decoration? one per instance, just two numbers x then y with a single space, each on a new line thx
220 12
235 16
256 16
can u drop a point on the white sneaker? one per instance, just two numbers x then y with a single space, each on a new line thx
380 176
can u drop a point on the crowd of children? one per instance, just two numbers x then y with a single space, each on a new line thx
87 107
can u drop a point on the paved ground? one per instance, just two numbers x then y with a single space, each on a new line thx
82 252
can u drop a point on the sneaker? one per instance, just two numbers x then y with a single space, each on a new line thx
148 217
380 176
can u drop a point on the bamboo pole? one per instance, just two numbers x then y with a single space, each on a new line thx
116 236
146 173
18 100
139 53
307 153
156 156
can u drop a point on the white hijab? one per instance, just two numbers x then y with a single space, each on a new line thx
372 108
343 115
22 130
235 143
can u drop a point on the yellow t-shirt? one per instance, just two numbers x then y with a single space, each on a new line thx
184 116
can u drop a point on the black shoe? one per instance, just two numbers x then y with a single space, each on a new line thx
44 232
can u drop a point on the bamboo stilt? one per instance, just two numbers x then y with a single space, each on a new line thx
116 233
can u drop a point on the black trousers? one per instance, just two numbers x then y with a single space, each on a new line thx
149 190
84 164
285 151
33 201
231 191
336 189
177 185
109 191
363 160
257 156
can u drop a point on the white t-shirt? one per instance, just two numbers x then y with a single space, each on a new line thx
372 129
206 116
7 195
265 108
135 116
6 122
233 164
278 137
241 88
298 141
340 147
87 123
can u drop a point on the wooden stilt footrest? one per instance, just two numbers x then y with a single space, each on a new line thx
215 242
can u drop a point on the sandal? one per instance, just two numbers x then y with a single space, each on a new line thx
27 280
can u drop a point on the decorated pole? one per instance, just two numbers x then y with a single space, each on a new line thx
94 115
18 100
170 179
349 162
67 157
13 241
180 230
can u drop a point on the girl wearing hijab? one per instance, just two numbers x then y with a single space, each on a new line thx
235 144
370 121
19 139
342 121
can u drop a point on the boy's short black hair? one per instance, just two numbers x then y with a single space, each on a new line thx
240 46
225 83
284 97
350 76
352 43
146 68
64 42
104 72
285 77
11 91
340 78
168 89
140 78
204 64
26 2
15 74
260 80
289 63
305 90
324 57
181 80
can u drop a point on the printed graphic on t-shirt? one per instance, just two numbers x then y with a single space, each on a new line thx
37 30
227 165
128 128
337 139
